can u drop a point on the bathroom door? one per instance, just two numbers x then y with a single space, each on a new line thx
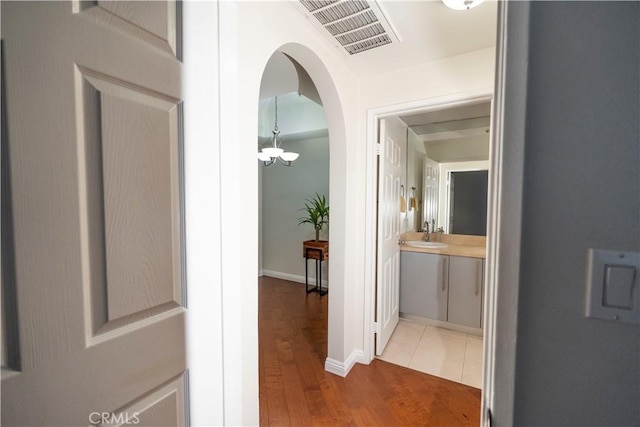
94 317
391 167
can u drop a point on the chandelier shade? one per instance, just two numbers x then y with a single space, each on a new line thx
264 157
289 156
273 153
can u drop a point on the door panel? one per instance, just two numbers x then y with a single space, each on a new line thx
162 407
93 139
151 21
391 169
140 233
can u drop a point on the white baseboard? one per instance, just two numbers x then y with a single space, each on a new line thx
342 368
291 277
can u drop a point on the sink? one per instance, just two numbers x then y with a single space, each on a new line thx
422 244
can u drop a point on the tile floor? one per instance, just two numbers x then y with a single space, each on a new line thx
441 352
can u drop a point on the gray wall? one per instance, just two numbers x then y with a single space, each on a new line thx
283 194
581 190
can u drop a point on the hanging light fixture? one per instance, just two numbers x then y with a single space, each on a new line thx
462 4
272 154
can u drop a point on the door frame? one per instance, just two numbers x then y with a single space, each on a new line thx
504 219
373 128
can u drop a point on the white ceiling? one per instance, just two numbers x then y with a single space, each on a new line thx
428 30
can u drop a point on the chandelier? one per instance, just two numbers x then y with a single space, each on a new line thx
273 153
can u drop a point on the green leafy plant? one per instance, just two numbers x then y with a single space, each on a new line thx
317 213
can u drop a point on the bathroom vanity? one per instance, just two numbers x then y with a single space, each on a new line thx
442 282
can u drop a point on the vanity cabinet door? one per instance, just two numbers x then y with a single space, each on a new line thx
465 291
424 284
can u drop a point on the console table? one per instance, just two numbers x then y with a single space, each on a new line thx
318 251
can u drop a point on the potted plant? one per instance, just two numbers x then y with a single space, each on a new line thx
317 214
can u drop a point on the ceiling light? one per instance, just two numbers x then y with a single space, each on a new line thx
273 154
461 4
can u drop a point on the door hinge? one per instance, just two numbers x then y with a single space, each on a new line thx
378 148
376 327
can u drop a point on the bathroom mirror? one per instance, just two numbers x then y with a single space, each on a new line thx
467 202
447 169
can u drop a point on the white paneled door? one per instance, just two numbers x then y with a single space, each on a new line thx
94 318
391 165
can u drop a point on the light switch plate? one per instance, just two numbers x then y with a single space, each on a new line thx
613 285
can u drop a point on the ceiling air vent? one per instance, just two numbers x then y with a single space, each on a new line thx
355 25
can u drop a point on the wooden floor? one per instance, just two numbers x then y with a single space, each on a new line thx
295 389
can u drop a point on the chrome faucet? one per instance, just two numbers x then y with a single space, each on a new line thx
426 236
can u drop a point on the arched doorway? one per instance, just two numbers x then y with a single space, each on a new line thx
337 200
292 311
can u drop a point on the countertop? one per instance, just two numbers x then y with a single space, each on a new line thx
457 245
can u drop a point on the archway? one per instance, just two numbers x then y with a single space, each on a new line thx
337 199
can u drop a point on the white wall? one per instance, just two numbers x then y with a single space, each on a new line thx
471 72
284 190
581 190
